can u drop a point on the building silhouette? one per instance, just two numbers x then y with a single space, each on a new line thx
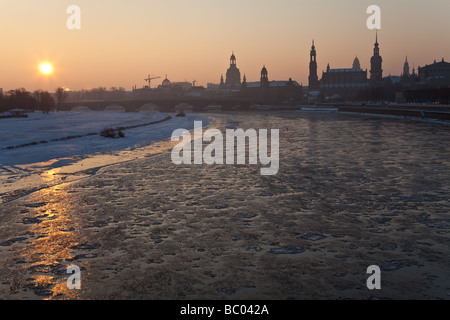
166 84
233 80
264 77
431 84
406 73
356 64
244 81
344 83
313 78
266 91
376 64
436 74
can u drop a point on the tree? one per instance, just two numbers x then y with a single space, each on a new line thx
45 101
61 96
117 93
2 102
20 98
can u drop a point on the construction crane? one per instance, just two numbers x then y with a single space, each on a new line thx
149 79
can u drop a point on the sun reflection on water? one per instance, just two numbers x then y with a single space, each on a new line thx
50 253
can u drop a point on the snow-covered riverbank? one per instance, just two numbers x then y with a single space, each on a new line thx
50 158
39 132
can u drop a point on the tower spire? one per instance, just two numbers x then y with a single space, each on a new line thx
313 78
376 62
264 77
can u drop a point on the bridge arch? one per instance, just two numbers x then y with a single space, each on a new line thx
213 107
149 108
115 108
80 109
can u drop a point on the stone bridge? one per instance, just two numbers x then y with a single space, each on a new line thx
163 105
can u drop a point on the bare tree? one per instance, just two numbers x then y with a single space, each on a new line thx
20 98
61 96
44 100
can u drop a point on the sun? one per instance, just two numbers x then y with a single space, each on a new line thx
46 68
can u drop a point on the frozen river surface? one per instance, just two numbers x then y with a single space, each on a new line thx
351 192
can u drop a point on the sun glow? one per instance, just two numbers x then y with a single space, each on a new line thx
46 68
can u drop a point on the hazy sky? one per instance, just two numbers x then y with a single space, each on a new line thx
121 42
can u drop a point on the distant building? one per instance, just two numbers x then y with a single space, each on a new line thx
356 64
408 80
1 91
267 91
244 82
406 69
213 86
233 80
436 75
264 77
166 84
344 83
313 78
183 86
344 78
376 63
392 80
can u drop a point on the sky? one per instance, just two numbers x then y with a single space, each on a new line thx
121 42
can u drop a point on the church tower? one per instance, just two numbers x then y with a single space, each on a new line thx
313 78
406 69
376 63
264 77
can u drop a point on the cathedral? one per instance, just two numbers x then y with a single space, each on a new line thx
233 80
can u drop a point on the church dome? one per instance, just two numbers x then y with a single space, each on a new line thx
356 64
166 83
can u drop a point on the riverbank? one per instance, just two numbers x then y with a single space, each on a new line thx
409 111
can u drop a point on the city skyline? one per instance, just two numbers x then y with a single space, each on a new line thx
119 44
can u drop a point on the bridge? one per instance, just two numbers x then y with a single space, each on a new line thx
164 105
